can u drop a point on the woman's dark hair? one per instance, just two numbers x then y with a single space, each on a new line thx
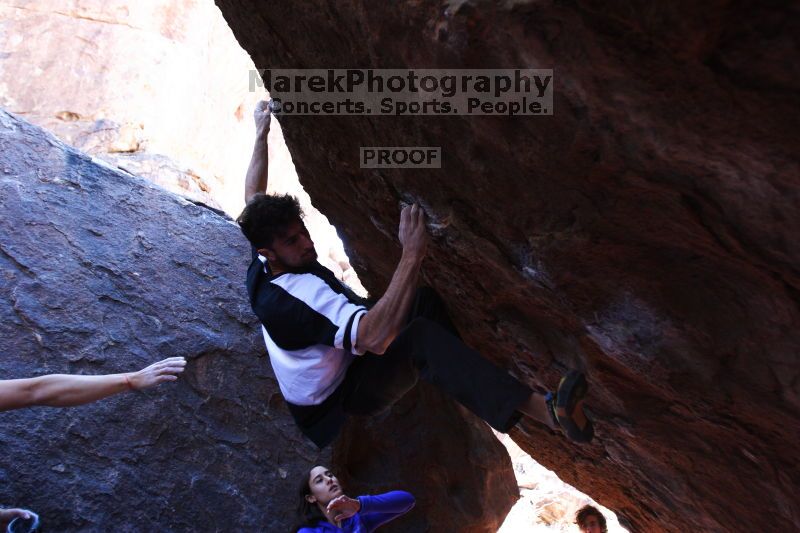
268 215
308 513
585 512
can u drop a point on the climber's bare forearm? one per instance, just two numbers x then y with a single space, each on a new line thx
379 327
256 179
257 172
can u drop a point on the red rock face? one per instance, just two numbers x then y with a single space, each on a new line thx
459 472
646 232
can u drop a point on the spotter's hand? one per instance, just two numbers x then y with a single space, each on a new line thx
166 370
343 507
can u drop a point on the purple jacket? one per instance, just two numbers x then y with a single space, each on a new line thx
375 511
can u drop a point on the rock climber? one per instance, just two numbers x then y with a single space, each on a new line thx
334 354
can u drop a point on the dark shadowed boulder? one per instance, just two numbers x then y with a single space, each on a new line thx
459 472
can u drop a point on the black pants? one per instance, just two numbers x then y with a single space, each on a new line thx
429 347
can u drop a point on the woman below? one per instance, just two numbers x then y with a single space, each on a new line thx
324 507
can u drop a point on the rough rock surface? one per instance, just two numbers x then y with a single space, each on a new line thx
159 88
644 233
131 83
546 503
104 272
459 472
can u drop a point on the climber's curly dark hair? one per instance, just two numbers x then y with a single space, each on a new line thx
585 512
267 216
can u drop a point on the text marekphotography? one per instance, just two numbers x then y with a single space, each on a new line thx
408 91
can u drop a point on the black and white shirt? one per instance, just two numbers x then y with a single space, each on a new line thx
310 324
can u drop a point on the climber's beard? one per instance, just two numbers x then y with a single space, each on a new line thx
294 263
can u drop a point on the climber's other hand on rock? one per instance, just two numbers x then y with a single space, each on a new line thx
412 233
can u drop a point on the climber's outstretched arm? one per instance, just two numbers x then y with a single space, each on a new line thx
64 390
256 180
379 327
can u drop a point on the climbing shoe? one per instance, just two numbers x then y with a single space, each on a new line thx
563 407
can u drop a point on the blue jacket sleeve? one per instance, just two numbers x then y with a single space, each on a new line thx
377 510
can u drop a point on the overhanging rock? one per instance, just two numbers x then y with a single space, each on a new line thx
645 233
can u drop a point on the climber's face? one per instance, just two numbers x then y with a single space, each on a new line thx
291 249
324 486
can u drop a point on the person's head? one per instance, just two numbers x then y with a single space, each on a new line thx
317 488
274 226
590 520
